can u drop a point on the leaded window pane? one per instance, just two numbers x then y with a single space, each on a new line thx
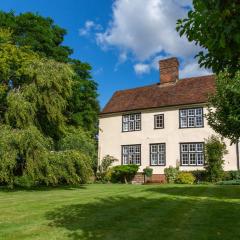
191 121
184 122
192 154
190 118
131 154
157 154
159 121
131 122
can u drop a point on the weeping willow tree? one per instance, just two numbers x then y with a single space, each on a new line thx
34 93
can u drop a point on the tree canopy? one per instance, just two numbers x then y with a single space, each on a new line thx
45 38
223 110
36 136
214 25
39 33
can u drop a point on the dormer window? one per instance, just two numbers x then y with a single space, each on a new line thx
131 122
191 118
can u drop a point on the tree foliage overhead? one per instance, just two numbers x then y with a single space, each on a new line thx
214 25
224 107
37 90
34 123
37 32
45 38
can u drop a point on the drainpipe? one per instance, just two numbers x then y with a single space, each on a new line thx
237 146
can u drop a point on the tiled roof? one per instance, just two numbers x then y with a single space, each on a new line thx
185 91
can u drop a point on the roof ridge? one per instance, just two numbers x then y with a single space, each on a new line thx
202 76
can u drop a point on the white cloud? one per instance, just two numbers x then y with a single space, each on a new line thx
193 69
141 68
145 31
88 27
147 27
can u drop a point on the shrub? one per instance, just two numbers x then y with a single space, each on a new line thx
200 175
230 182
215 149
78 139
148 171
106 162
24 181
171 174
185 178
124 173
104 171
67 167
234 175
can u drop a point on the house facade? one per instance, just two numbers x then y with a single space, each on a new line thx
161 125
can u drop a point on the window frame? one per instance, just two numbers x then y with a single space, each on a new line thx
187 117
188 152
130 114
128 145
150 154
155 125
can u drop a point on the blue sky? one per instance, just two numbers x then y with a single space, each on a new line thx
122 39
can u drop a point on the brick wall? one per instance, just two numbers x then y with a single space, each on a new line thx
156 178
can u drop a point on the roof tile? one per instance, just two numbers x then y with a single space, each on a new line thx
185 91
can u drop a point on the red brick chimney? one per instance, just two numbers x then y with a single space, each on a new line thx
168 70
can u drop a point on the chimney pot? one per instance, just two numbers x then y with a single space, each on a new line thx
168 70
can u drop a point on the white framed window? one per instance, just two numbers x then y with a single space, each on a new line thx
191 118
192 154
131 122
158 154
131 154
159 121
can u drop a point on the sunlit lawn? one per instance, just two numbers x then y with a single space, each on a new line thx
122 212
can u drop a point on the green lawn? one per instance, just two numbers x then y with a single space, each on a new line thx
123 212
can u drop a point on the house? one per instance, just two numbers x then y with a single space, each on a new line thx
161 125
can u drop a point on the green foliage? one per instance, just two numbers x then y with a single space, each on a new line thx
39 90
67 167
79 140
104 171
232 175
200 175
223 110
83 107
33 122
22 152
148 171
124 173
45 38
215 149
229 182
24 181
171 174
185 178
214 25
106 162
26 159
41 34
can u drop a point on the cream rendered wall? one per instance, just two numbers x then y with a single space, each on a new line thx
111 138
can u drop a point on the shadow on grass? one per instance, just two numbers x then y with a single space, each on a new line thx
41 188
150 217
209 191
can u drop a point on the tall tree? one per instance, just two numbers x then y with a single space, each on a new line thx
35 91
46 38
224 107
37 32
214 25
